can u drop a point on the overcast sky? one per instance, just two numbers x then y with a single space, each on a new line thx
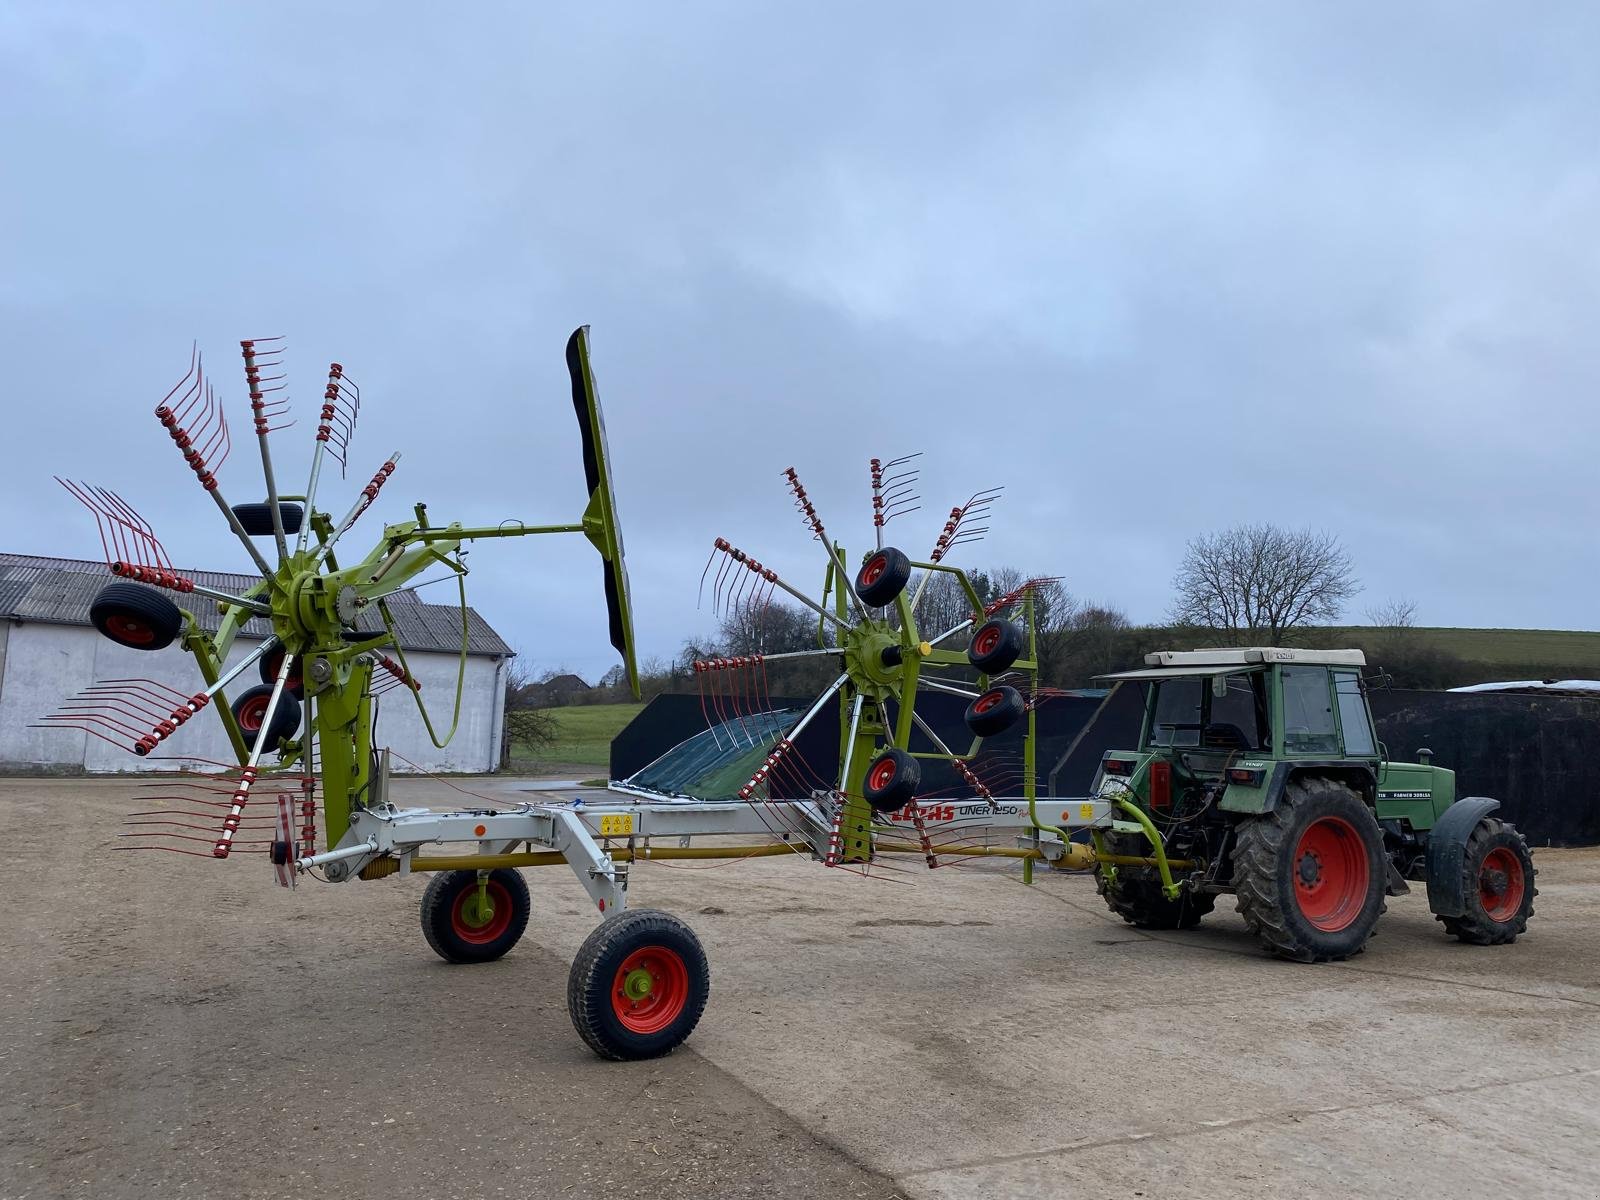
1156 269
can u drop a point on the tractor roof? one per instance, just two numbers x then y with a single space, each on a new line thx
1178 664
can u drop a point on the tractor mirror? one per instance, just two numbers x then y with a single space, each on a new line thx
1219 686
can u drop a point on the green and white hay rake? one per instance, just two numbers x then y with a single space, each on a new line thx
640 981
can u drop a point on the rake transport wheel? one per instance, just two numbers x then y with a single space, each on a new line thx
135 616
883 577
271 662
1310 874
996 645
1498 885
892 781
256 519
638 985
461 927
995 711
250 709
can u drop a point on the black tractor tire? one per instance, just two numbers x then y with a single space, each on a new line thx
995 711
452 922
1310 875
996 645
1140 902
251 707
256 519
136 616
891 781
883 577
1498 883
638 985
269 664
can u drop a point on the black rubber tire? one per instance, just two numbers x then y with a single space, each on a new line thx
882 577
891 781
996 645
1141 903
1476 925
1265 871
449 891
995 711
285 722
256 519
596 974
136 616
269 664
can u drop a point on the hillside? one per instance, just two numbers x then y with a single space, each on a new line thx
1505 653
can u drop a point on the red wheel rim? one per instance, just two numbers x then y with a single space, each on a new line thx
464 908
881 775
252 712
988 700
1501 883
988 638
650 990
1331 874
130 630
873 571
275 664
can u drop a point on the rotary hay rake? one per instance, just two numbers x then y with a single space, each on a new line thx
639 983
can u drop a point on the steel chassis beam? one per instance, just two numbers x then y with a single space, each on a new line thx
598 841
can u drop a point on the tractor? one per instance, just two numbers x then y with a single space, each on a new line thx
1258 774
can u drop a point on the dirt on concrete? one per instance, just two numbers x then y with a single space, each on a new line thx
177 1026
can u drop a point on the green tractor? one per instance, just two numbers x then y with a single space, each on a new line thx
1258 774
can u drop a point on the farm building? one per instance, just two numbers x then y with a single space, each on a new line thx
49 652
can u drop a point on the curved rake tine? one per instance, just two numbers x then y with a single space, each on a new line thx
258 405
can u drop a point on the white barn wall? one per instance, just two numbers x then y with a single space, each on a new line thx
47 663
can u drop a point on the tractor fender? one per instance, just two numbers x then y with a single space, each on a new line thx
1251 802
1447 847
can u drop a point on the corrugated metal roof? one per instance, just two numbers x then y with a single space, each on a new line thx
60 590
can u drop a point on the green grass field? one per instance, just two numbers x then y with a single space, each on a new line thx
1574 653
584 740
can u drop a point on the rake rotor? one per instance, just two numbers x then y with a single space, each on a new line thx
310 720
866 621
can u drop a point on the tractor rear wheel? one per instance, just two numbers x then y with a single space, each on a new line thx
1142 904
1310 874
1498 886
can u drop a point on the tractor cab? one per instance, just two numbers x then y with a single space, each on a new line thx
1219 724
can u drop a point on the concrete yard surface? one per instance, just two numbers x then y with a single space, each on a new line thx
179 1026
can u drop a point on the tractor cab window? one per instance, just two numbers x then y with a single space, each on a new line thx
1175 715
1237 720
1187 714
1358 739
1308 726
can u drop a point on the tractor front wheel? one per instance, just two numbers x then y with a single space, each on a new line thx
1498 886
638 985
1310 874
468 923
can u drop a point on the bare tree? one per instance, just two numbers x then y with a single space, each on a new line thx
529 729
1393 615
1263 580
